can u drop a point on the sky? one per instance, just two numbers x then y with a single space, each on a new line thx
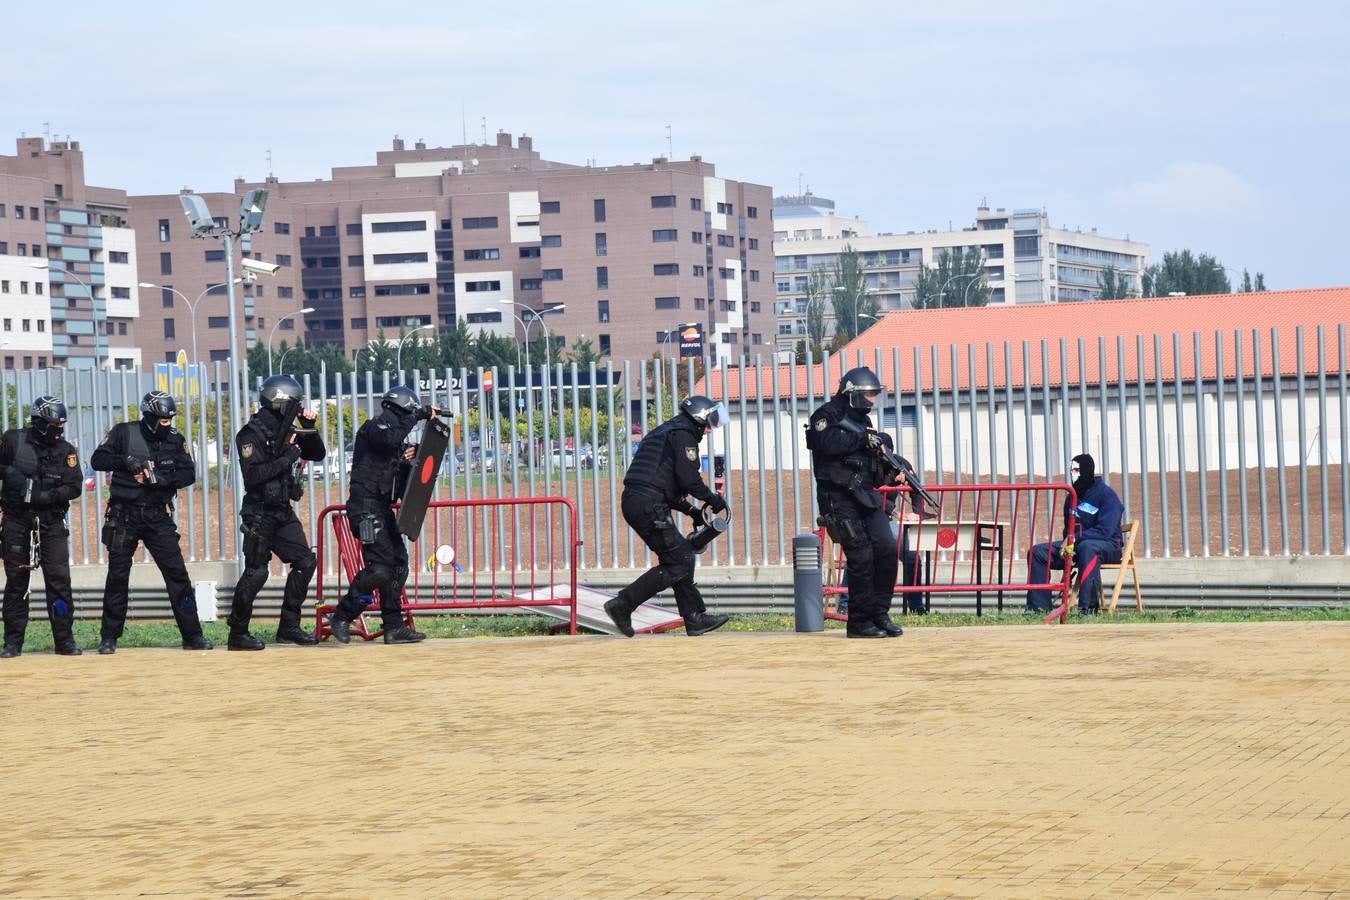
1219 127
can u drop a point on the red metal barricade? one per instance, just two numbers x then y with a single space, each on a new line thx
503 553
978 536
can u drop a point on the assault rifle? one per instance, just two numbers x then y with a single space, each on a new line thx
893 462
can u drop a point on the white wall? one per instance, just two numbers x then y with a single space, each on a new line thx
123 275
502 301
399 242
523 207
17 306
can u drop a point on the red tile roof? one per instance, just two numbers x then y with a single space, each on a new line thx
968 330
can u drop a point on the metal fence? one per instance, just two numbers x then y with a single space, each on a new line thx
1219 444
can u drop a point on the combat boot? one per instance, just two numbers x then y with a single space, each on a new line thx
617 610
340 628
197 642
403 635
863 628
294 634
67 647
885 623
107 647
10 650
243 641
704 622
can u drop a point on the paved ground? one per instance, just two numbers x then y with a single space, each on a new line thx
1010 762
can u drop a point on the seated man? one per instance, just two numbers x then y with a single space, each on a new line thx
1096 520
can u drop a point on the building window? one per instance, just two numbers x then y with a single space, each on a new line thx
698 271
602 277
357 293
4 248
285 292
667 302
664 201
169 329
1028 245
754 243
696 203
23 289
37 249
599 210
529 252
660 235
756 338
166 264
553 274
353 229
666 269
481 318
726 240
356 261
752 212
601 244
604 345
23 249
331 230
489 253
121 293
402 290
283 259
3 211
166 297
214 256
332 262
531 284
480 286
479 222
309 231
696 237
602 311
552 240
389 227
724 208
42 326
216 355
218 322
724 272
389 259
754 306
754 274
281 228
37 288
163 229
727 305
548 207
117 256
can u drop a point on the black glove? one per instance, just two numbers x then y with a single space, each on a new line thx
134 464
292 453
44 498
874 441
15 480
699 515
423 413
717 504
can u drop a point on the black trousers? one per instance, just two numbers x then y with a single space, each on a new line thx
16 535
869 553
650 517
386 570
267 532
125 527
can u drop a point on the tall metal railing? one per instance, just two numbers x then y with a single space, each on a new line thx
1223 443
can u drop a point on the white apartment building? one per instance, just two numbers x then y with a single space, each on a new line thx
806 217
25 314
1026 261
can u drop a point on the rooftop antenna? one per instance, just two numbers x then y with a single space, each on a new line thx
670 144
463 124
269 162
483 122
47 131
799 184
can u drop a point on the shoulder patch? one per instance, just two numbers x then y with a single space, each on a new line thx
691 453
72 461
246 451
822 423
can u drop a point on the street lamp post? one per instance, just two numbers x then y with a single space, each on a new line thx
398 356
93 306
191 305
857 301
273 333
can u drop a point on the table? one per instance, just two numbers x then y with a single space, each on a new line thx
975 537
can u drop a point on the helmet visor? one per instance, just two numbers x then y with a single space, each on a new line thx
717 416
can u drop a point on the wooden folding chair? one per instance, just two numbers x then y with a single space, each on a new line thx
1129 531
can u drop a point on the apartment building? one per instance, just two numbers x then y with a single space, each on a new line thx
1025 261
68 267
429 235
807 217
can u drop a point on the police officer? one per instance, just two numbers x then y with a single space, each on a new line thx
844 451
41 474
271 446
663 475
381 463
149 462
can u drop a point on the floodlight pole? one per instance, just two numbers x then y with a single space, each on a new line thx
236 382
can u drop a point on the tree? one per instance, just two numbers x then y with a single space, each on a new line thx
1248 287
1112 285
300 360
819 288
1186 273
582 353
1260 282
854 307
957 280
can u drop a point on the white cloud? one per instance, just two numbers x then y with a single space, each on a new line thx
1192 187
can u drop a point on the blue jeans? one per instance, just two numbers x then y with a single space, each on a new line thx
1090 592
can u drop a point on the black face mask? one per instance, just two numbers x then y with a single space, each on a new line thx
155 429
1087 474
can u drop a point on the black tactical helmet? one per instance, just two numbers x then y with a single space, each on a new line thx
48 416
283 395
158 405
401 399
862 387
703 411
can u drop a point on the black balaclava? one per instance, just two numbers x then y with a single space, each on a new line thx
1087 474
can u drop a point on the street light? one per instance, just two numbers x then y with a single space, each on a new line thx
93 307
398 366
532 315
191 305
857 301
943 289
273 333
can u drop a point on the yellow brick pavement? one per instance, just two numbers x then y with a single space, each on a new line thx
998 762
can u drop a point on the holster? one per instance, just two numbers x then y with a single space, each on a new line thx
117 530
840 529
257 537
367 527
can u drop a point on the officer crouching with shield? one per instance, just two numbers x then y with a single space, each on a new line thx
843 449
663 475
381 464
271 447
41 474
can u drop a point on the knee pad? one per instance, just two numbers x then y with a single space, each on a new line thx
253 578
682 569
400 575
60 608
379 575
187 602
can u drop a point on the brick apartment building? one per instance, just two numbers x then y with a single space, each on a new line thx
68 265
479 232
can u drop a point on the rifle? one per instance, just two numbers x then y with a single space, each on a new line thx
890 460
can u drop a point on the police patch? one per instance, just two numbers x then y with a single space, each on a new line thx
246 451
72 461
691 453
822 424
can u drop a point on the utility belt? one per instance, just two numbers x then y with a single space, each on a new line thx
280 493
850 473
646 499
